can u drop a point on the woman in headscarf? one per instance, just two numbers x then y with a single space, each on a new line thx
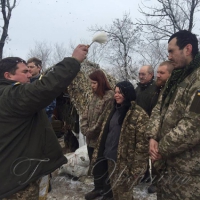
122 146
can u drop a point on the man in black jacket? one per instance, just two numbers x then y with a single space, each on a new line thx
146 89
28 146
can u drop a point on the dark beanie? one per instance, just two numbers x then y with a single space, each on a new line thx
127 90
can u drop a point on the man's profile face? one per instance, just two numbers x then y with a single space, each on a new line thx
21 75
33 69
176 56
144 75
162 75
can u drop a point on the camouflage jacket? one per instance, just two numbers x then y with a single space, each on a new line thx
94 115
132 153
177 129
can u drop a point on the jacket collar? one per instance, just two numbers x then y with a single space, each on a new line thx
145 85
33 78
6 82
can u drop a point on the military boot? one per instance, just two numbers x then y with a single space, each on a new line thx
93 194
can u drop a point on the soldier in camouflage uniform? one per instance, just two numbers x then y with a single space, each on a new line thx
175 132
122 143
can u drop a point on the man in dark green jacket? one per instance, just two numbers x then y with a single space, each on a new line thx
146 89
28 146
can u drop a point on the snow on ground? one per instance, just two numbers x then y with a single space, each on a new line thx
69 188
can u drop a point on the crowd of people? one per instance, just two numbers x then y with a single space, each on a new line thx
125 127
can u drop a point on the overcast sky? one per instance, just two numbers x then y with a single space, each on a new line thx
62 21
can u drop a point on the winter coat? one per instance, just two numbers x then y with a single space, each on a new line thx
147 96
94 116
28 145
177 127
132 153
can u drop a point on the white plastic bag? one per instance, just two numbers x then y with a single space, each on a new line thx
78 163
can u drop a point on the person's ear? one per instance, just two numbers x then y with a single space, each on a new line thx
7 75
188 49
40 68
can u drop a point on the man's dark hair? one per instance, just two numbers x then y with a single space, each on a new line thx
184 38
9 64
35 60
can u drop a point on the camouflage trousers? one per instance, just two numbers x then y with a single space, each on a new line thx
120 192
31 192
178 186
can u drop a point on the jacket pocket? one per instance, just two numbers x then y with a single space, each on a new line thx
195 106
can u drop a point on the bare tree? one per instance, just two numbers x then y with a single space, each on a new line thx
161 21
123 37
152 53
41 50
96 53
168 17
57 54
49 54
6 10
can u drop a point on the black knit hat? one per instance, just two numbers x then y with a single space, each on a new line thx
127 90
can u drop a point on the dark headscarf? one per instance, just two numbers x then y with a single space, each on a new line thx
129 94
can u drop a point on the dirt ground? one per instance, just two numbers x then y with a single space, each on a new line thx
70 188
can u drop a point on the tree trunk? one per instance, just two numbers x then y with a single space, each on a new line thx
6 10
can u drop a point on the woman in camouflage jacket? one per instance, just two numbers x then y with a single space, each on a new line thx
122 143
93 117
